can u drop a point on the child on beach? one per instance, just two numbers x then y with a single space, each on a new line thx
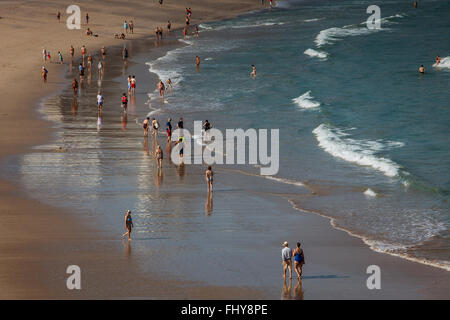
100 101
44 74
128 225
124 102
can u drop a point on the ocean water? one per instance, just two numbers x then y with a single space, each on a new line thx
361 132
353 112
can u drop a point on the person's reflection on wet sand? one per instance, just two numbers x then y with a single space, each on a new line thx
286 291
159 177
128 249
298 290
181 170
169 150
124 119
74 106
209 204
99 121
146 149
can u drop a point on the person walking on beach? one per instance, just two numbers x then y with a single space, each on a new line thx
124 102
128 225
44 73
103 53
299 260
197 61
58 16
72 51
75 86
286 256
133 85
125 54
44 54
81 71
100 68
169 129
83 51
159 156
145 126
125 26
161 89
89 62
131 27
61 60
100 101
87 18
253 73
169 25
180 123
209 175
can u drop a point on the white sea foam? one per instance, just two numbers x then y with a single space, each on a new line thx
241 25
314 53
313 20
285 181
445 63
331 35
362 152
370 193
306 101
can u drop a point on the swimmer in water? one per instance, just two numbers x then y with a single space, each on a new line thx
422 69
438 60
253 73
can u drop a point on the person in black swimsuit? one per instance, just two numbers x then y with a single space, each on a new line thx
128 225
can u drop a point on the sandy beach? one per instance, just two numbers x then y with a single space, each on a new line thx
39 240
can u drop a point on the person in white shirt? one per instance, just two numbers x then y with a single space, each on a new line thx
286 258
99 100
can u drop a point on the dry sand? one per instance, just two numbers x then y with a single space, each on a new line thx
38 240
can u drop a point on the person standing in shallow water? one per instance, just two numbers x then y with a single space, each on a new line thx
286 256
299 260
209 175
128 225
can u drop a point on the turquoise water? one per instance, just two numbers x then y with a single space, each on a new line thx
354 114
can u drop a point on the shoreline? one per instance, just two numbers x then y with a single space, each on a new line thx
30 23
